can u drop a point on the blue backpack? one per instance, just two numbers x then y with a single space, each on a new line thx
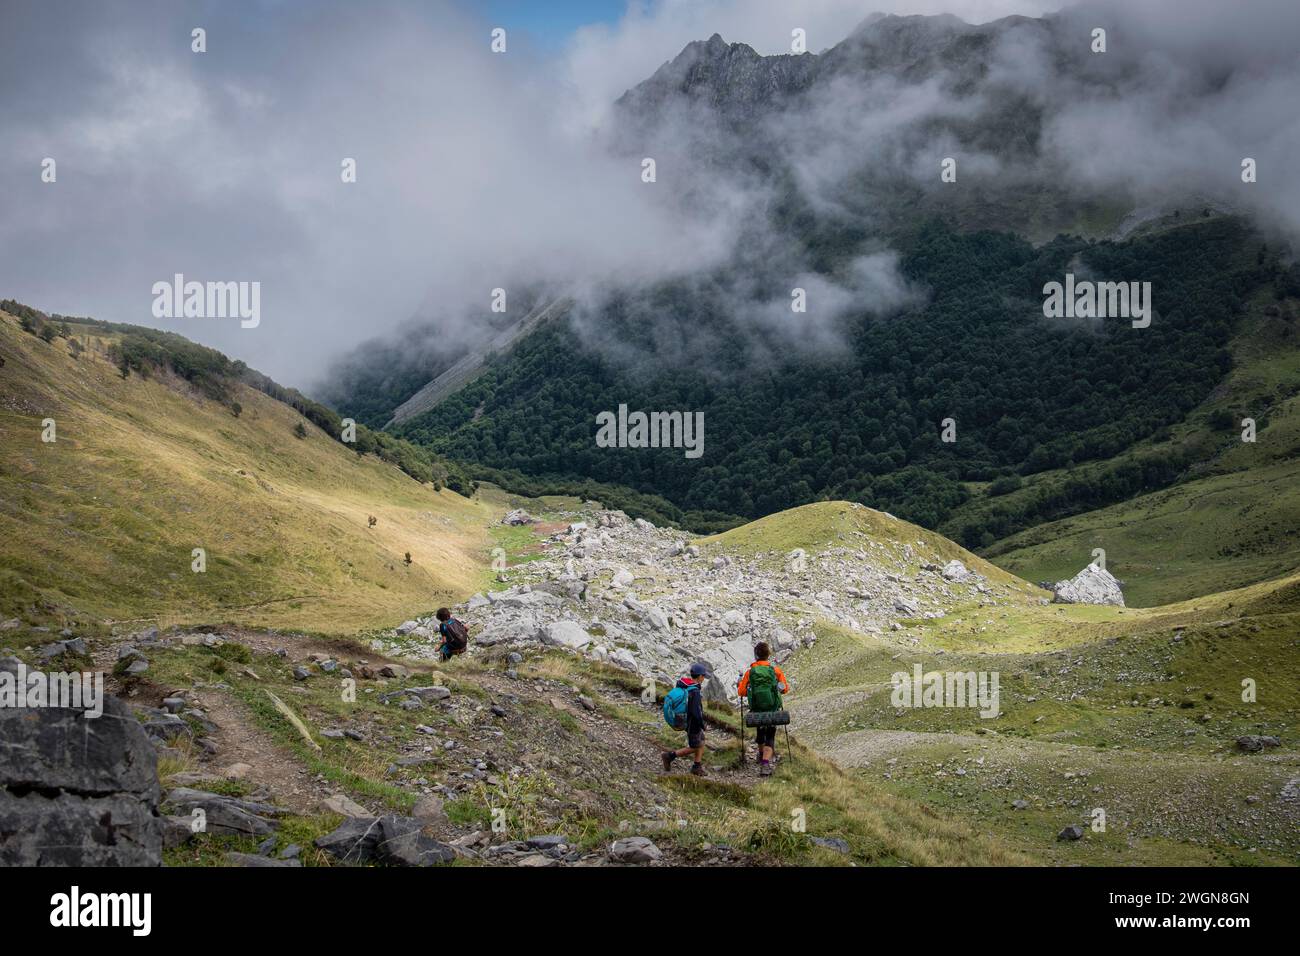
675 707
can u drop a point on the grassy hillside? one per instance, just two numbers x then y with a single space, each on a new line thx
1135 712
101 523
827 524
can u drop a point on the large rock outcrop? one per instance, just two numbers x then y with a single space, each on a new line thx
1092 585
77 791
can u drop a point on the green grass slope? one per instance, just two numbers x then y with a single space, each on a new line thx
1133 711
101 523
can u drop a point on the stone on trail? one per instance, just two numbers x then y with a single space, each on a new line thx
1072 832
429 809
342 804
636 849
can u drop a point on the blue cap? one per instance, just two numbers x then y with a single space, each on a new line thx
700 669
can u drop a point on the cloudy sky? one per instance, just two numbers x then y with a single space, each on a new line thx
474 169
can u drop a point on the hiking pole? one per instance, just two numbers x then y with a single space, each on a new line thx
788 749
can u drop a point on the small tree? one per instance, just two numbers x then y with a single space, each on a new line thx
236 409
48 333
299 430
371 521
408 559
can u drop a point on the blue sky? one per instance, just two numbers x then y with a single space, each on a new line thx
549 22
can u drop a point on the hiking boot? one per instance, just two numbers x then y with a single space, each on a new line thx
668 757
765 770
697 769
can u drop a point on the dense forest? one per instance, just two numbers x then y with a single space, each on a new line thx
784 427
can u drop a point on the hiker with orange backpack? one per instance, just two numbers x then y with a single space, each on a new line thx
763 684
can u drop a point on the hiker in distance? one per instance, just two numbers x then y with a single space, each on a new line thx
455 635
684 710
763 684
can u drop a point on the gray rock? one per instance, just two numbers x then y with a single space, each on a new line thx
1092 585
568 634
429 693
546 842
224 815
252 859
831 843
1072 832
429 809
356 840
404 843
92 804
636 849
1254 743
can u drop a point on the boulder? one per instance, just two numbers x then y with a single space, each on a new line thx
636 849
957 572
356 840
92 804
1092 585
227 816
568 634
403 842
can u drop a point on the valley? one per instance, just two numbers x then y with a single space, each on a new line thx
539 747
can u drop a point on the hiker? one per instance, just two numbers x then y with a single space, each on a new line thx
455 635
764 683
684 710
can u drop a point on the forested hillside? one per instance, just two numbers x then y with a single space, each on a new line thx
1028 394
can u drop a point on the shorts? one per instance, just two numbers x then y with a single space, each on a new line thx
695 739
766 736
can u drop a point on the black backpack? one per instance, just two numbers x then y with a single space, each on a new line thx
456 634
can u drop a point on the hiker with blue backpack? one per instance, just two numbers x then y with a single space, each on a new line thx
684 710
763 685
